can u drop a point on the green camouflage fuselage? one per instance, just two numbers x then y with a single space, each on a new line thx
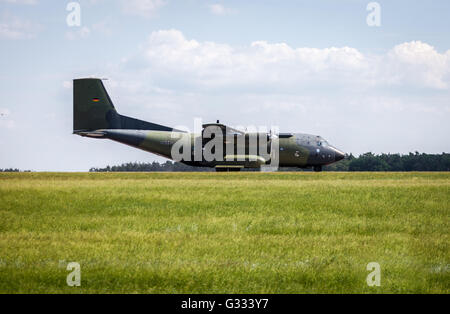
295 150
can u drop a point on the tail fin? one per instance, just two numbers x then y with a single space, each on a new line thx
94 110
92 107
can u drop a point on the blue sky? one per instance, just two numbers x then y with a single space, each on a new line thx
305 66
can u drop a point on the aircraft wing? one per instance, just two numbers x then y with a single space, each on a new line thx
225 129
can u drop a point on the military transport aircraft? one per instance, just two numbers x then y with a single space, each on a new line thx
94 116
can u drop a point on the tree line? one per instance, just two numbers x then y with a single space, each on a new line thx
365 162
168 166
393 162
13 170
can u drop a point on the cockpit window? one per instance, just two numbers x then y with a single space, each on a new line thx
322 143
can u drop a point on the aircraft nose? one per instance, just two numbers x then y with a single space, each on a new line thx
338 155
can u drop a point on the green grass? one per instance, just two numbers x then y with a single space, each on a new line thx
225 233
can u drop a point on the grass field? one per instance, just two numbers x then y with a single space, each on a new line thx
225 233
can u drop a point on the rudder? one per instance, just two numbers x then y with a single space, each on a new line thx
92 107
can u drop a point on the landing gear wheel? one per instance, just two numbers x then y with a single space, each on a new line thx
318 168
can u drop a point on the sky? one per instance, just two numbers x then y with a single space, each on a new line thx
374 79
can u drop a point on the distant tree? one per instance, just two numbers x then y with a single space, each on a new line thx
13 170
167 166
368 162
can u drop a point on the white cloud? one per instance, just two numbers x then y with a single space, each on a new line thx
28 2
102 27
419 64
168 54
67 84
78 33
12 27
144 8
219 9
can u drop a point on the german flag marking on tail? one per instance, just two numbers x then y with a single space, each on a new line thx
95 99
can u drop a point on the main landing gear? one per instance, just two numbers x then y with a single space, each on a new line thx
317 168
227 169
